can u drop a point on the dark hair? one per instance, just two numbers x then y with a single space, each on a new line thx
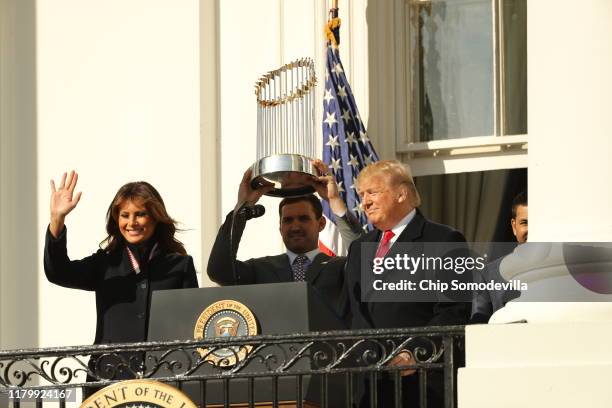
143 192
310 198
520 199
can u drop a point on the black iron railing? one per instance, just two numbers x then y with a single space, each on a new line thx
327 369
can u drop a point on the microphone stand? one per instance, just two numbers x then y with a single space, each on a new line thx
256 211
231 246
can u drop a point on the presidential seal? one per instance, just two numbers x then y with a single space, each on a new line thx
225 318
138 394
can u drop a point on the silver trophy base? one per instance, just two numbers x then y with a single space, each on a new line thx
291 175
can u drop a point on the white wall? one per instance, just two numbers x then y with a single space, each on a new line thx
118 100
570 197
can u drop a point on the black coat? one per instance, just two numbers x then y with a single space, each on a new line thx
379 315
122 297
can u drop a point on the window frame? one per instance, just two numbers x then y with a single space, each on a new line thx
488 152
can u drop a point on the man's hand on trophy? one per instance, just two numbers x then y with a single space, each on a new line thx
325 185
247 195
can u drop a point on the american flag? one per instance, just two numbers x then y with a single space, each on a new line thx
346 146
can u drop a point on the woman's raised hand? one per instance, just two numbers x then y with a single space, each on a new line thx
63 200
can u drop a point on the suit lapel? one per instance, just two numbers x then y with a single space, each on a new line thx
285 272
314 270
412 232
369 250
283 269
367 253
414 229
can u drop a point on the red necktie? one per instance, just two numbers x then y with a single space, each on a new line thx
385 244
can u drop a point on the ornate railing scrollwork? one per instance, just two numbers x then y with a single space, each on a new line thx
323 353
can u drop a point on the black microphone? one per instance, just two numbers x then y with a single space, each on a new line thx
254 211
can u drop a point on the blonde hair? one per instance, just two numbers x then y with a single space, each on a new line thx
397 173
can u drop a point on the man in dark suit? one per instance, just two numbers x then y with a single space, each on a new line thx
301 220
486 302
390 199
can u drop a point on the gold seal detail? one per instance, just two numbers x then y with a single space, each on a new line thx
225 318
138 393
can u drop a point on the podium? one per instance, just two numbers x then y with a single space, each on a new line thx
279 308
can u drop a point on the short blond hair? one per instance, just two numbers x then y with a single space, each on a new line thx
398 174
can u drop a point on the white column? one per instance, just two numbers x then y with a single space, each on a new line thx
569 88
555 360
210 147
19 231
570 143
537 365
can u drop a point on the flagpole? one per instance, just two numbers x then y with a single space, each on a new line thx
343 150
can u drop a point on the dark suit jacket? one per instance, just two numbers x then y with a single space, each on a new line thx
122 297
378 315
325 273
485 302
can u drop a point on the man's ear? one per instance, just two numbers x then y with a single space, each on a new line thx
513 224
402 194
322 222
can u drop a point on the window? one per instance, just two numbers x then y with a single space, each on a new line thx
450 64
462 66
